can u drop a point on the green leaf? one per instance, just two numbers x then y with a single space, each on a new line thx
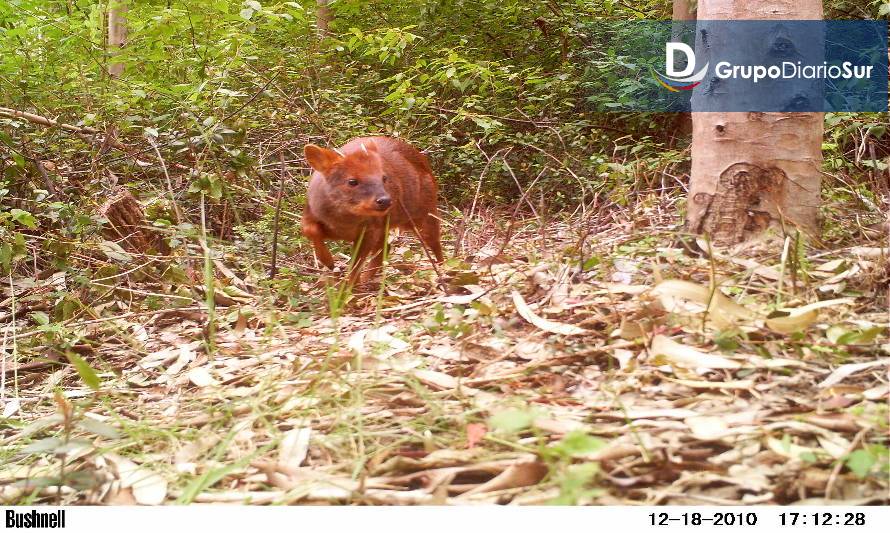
486 123
512 420
114 252
19 248
216 189
578 444
49 444
860 463
24 218
86 372
727 341
5 256
579 475
34 482
40 317
175 274
299 320
835 332
574 483
211 476
95 427
864 336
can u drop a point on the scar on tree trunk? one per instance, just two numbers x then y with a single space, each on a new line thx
736 207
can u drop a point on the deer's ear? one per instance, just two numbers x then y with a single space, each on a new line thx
321 159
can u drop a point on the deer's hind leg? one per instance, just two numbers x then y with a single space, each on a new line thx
429 233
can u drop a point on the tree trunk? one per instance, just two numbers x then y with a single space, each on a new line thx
323 18
752 171
684 11
117 34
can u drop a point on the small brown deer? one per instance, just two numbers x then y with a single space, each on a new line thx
356 188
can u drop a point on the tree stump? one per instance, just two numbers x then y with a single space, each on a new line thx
127 225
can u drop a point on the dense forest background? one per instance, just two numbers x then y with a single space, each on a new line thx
220 88
202 114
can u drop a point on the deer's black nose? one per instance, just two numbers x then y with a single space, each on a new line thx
384 202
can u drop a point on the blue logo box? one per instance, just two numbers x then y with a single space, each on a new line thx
742 65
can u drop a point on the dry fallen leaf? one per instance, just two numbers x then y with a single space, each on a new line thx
378 342
756 361
674 293
442 381
790 450
517 475
476 292
844 371
201 377
769 273
876 393
148 488
835 445
870 252
439 380
542 323
475 434
708 427
443 351
799 318
835 422
118 495
186 354
634 414
676 296
687 356
619 288
696 384
11 407
293 447
624 357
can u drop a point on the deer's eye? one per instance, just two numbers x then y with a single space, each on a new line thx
352 182
385 179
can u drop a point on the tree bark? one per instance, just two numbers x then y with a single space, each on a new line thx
323 18
684 11
127 224
752 171
117 34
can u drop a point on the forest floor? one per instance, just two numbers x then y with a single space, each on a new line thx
578 361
